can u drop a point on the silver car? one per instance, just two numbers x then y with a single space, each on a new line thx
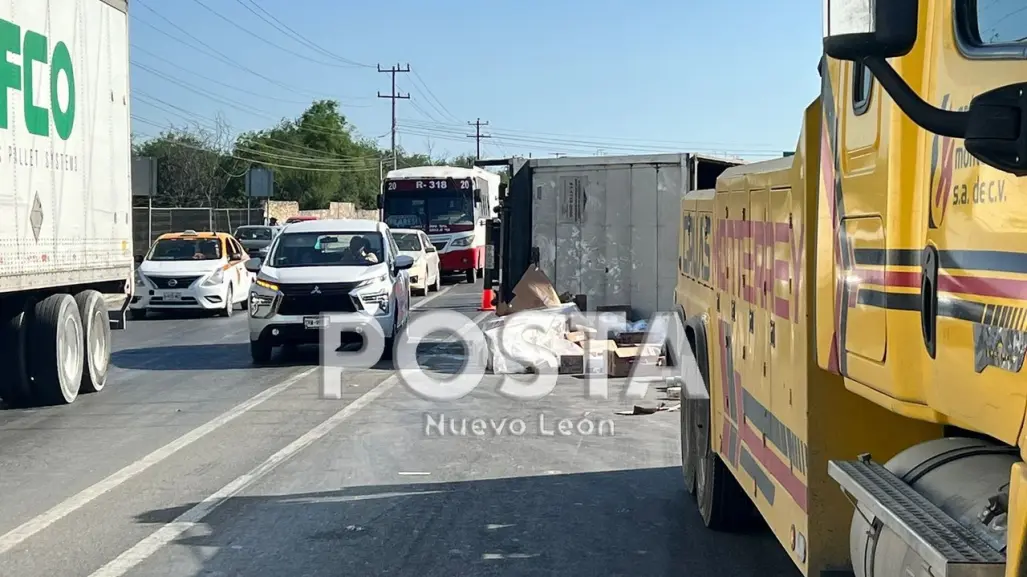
319 267
256 238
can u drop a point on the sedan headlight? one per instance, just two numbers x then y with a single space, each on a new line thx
215 279
462 241
141 280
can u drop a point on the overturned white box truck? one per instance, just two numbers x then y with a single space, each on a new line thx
604 228
66 259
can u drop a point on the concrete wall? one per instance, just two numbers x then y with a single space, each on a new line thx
284 209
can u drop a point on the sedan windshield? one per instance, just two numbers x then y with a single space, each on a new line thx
407 241
327 249
254 233
186 249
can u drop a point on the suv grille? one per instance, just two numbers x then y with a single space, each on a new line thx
302 299
181 282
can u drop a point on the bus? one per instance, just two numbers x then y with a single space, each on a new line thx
451 205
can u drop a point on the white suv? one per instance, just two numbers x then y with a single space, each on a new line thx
319 267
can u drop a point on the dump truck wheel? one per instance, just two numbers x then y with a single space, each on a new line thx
15 387
690 410
723 505
96 330
57 353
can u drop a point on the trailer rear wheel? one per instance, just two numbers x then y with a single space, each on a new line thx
97 340
57 349
15 387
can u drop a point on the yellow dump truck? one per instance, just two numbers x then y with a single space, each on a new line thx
858 310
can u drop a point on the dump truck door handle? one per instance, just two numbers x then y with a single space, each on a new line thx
929 298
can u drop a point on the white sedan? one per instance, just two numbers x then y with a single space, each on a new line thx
424 275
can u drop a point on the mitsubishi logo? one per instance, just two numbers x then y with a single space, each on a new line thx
316 291
172 282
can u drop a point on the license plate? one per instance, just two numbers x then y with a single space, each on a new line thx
172 296
314 322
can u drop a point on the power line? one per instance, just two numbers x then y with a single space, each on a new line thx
477 136
199 120
586 143
433 100
285 29
213 52
249 32
498 132
136 48
394 96
252 160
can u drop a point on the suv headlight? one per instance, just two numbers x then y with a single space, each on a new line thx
462 241
372 281
379 298
266 283
215 279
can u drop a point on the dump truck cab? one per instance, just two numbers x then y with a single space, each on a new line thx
864 337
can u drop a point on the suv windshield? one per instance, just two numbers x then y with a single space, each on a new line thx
407 241
254 233
327 249
186 249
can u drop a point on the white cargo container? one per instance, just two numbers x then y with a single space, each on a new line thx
607 226
66 258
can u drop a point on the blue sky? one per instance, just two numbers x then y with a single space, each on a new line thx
577 78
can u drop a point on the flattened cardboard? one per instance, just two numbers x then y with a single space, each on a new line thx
533 291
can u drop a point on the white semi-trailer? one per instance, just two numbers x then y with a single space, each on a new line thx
66 259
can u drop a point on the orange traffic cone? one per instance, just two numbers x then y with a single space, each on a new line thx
487 298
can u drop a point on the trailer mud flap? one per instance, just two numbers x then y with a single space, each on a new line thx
118 315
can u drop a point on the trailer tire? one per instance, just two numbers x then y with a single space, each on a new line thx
723 505
16 387
57 352
96 329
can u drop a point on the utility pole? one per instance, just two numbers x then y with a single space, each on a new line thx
394 96
477 136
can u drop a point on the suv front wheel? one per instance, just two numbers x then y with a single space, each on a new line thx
260 351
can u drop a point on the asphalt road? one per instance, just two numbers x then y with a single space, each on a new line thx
192 462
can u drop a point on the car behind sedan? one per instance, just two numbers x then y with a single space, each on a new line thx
424 275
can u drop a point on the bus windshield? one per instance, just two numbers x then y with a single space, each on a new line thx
434 211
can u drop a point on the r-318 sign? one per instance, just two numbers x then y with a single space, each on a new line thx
435 184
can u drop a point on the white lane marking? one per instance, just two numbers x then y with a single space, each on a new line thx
19 534
413 473
168 533
429 299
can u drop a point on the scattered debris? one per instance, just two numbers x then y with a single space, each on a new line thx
640 410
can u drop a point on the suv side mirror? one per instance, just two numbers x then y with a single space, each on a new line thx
858 29
253 265
403 262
